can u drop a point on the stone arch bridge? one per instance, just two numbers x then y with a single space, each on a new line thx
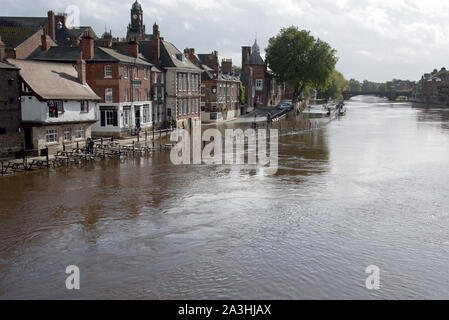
390 95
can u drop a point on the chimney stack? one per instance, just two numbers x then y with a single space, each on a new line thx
45 41
81 68
51 25
2 50
246 53
226 66
87 45
156 45
133 48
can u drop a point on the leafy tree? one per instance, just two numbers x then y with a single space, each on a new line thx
241 94
300 60
354 85
335 88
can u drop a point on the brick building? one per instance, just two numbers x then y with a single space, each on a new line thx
22 35
11 132
219 87
123 81
261 88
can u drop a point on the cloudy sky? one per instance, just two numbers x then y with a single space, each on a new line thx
376 39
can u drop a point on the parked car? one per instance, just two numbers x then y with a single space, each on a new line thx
283 106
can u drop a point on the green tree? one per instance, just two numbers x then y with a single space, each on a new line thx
241 94
300 60
335 88
354 85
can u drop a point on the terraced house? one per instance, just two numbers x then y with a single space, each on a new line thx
219 89
122 81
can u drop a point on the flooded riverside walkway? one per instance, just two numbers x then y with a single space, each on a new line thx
369 189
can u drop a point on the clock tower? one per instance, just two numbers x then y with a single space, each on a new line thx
136 29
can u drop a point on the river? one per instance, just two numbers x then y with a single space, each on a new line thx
369 189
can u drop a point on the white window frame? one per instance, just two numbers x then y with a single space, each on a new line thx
108 95
126 117
107 71
51 136
259 84
106 118
67 134
125 72
80 133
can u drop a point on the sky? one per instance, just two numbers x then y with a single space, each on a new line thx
376 40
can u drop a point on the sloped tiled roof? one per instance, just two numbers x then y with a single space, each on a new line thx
53 80
72 54
14 36
15 30
172 57
5 65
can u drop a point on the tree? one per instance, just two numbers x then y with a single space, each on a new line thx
241 94
335 88
300 60
354 85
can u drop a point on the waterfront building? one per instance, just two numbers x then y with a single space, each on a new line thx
219 87
181 80
122 81
57 105
261 88
11 131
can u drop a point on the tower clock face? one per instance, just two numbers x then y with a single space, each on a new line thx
135 16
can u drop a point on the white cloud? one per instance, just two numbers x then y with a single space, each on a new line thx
376 39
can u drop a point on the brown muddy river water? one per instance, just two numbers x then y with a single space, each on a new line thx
369 189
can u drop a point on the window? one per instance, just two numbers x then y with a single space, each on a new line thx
145 75
179 82
184 82
146 113
185 106
259 84
125 95
55 107
67 134
84 106
162 78
108 94
136 73
109 118
108 71
193 83
162 94
125 72
79 133
155 78
136 94
126 117
51 136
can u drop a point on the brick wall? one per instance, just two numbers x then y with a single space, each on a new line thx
10 112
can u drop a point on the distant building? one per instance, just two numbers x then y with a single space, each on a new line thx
55 115
22 35
219 89
261 87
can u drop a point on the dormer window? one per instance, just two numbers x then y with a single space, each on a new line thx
125 72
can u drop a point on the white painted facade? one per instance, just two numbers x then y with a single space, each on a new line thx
128 114
34 110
